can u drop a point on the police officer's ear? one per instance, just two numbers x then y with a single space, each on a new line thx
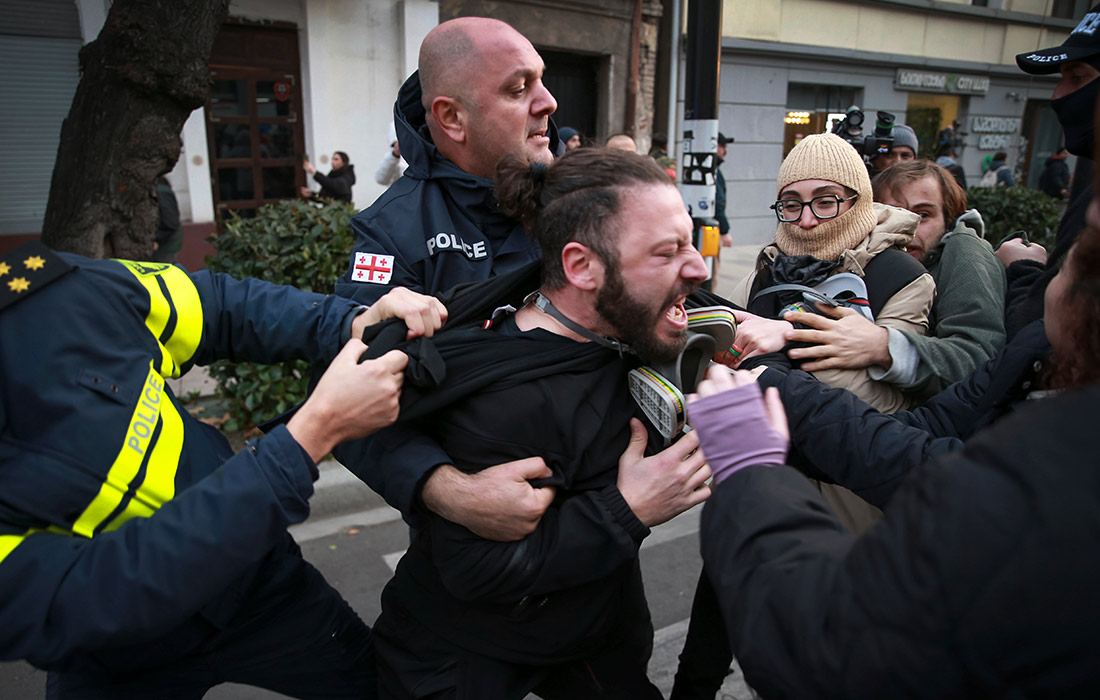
582 266
451 117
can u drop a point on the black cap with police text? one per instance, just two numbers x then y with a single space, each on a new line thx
1083 44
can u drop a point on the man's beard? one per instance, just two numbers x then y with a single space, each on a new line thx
636 323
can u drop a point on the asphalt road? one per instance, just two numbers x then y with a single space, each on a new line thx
357 552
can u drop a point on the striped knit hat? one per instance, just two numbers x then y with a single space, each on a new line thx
827 157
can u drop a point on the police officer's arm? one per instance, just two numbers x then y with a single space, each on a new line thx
361 284
63 595
412 472
587 538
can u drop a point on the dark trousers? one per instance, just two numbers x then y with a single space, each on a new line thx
305 642
415 663
705 660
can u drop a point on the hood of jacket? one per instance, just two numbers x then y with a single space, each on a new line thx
424 159
969 223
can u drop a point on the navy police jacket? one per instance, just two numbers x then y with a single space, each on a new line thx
122 517
436 227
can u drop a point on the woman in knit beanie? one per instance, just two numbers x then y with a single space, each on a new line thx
843 230
825 164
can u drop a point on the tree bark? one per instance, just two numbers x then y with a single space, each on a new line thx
140 80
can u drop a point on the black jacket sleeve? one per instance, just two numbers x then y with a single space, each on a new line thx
585 539
838 437
968 586
337 186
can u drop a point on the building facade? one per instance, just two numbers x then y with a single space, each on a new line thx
793 67
297 78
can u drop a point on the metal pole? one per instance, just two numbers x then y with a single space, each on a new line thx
673 85
699 162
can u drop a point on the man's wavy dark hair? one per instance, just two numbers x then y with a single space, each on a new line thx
575 198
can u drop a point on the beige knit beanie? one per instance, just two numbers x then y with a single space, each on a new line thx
827 157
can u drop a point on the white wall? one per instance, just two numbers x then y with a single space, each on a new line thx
356 55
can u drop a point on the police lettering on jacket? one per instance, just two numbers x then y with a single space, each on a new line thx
449 241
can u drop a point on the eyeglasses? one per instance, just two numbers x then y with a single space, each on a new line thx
827 206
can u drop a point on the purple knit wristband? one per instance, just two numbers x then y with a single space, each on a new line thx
734 432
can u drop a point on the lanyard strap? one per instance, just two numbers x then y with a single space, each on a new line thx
543 304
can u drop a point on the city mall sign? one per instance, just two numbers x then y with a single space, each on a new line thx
953 83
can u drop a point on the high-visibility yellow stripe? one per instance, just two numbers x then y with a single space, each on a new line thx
9 542
188 332
159 484
183 298
135 445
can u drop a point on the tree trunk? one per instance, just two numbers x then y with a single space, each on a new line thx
140 80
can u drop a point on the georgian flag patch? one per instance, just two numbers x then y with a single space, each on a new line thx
376 269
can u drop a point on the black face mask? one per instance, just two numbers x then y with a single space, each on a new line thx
1076 112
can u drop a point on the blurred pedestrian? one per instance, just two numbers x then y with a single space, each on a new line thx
169 236
999 174
1054 180
392 165
726 240
570 137
948 160
623 142
337 184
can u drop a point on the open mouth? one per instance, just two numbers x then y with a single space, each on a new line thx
676 314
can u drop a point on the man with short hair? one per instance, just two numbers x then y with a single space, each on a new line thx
623 142
948 160
905 148
477 96
538 361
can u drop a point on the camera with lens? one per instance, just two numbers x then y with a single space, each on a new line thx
881 140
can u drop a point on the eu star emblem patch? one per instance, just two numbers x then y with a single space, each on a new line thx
27 269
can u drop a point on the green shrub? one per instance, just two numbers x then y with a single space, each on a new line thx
291 242
1008 209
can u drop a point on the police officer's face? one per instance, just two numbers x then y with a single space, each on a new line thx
643 300
511 108
1075 75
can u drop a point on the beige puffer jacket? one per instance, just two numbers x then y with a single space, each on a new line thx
906 310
